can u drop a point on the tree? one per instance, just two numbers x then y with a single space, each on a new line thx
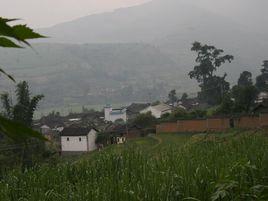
7 105
146 120
245 79
209 59
22 113
244 97
214 90
119 122
262 80
172 97
265 67
176 114
24 109
244 93
184 97
226 106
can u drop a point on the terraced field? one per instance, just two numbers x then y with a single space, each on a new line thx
168 167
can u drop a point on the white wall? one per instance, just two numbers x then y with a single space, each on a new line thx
92 135
87 143
107 111
115 117
74 144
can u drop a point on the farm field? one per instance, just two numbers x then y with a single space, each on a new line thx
168 167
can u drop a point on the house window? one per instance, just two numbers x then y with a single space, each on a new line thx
80 139
68 139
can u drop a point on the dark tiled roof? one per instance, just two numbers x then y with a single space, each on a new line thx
261 107
135 108
75 131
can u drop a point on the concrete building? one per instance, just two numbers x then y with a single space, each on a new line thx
112 115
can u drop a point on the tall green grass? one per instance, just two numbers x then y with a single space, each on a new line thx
232 168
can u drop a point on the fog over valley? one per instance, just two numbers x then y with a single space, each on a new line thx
125 55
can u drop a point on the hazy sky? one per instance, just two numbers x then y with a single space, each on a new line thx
42 13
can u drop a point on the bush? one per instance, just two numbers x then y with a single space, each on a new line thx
145 120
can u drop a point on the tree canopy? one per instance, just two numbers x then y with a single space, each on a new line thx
208 60
23 110
172 97
262 80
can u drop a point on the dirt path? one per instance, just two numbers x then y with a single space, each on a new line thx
158 139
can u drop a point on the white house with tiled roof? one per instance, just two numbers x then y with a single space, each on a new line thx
158 110
76 139
112 115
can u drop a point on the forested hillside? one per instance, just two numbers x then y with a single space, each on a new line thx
93 74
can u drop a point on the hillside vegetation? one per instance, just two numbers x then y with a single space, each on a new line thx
220 167
92 74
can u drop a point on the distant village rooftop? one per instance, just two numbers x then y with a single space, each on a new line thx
76 131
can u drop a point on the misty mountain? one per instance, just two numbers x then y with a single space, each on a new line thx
172 25
251 14
157 19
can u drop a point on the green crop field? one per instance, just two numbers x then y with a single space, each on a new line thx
164 167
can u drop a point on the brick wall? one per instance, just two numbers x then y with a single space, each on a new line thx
192 125
247 122
219 124
264 120
213 124
167 128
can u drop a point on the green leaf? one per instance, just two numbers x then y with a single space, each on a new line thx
4 42
6 30
19 32
9 20
17 131
24 33
9 76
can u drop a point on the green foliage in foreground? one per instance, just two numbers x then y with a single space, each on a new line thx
17 131
203 168
12 37
19 33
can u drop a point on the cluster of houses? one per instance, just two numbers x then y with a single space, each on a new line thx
78 132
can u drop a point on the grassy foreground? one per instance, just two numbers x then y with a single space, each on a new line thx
166 167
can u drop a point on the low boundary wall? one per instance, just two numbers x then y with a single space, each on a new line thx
213 124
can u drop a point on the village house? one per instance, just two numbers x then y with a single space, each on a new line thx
261 107
111 115
118 134
262 97
191 104
78 139
45 129
134 109
158 110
